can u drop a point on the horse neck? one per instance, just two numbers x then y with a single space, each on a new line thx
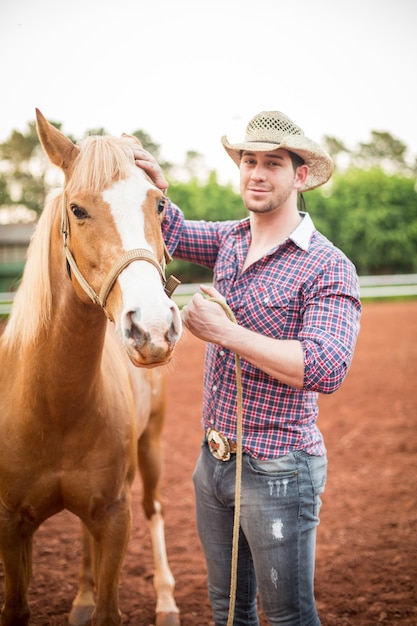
58 364
76 333
64 357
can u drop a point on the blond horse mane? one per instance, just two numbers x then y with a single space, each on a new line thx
101 161
32 304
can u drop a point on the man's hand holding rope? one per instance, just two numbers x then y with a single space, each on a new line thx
204 317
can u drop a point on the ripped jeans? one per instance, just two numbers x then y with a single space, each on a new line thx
280 503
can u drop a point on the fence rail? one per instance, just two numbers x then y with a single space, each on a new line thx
394 286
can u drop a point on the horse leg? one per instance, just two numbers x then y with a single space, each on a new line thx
16 556
150 461
110 528
83 604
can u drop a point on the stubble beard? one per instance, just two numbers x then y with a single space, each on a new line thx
272 205
268 208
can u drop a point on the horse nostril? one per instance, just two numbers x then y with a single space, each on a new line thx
171 335
155 338
135 316
174 331
133 330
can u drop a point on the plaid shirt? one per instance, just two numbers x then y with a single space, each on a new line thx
304 289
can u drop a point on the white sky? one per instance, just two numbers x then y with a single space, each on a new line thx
188 71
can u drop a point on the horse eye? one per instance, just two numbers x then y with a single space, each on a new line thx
161 205
79 213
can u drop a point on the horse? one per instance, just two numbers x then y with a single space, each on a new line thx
81 384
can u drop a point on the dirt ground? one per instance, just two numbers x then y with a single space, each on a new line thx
366 569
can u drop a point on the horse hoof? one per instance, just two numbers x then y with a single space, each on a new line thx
167 619
80 615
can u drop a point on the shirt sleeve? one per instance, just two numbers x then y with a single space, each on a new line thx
331 323
196 241
172 226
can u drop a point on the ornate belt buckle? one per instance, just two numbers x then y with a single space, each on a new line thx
218 445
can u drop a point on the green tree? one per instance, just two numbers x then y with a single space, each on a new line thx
369 209
5 199
18 153
372 217
335 148
209 200
154 148
95 131
25 168
383 151
204 201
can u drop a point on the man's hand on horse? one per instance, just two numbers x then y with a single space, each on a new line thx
148 163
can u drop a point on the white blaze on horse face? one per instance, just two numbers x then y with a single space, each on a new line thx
140 282
125 199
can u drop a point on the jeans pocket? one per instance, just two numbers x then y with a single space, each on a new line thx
318 471
283 465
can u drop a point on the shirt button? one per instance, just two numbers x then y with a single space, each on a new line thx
266 300
221 352
214 387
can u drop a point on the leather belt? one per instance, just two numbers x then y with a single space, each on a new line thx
220 446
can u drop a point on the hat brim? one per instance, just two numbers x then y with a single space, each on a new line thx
318 161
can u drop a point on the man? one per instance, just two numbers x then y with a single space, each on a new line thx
295 298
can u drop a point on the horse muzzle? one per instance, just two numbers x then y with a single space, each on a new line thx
151 345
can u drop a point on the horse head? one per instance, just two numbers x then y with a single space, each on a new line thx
112 242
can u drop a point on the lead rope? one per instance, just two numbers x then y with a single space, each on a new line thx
238 487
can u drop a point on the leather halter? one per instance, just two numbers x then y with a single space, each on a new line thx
137 254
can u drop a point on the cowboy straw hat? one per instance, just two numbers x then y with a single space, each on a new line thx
270 130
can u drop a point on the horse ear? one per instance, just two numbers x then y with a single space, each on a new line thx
132 137
60 150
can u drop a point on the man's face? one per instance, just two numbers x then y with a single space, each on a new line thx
267 179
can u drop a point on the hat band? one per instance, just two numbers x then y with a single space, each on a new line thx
275 143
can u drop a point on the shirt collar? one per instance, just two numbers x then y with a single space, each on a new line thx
301 235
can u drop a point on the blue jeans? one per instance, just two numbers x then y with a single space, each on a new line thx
280 503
